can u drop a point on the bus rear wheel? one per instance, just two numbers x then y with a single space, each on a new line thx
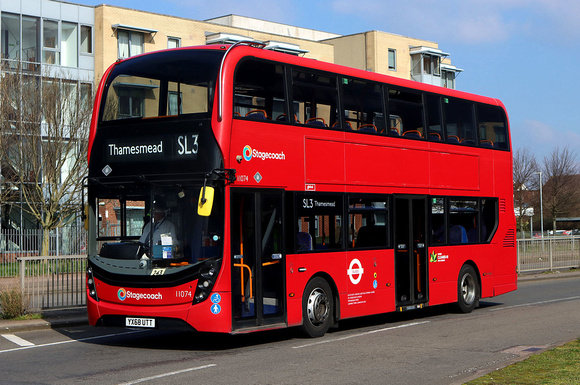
467 289
317 308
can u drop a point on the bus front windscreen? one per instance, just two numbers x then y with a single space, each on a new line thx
169 83
143 228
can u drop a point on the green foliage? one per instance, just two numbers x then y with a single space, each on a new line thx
12 303
556 366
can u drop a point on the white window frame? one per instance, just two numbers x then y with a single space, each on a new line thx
392 66
130 35
176 40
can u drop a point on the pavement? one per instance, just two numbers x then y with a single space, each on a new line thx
77 316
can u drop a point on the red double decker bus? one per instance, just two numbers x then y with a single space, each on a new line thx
234 189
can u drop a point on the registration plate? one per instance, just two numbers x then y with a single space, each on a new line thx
140 322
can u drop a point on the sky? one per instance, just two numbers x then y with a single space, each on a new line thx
519 51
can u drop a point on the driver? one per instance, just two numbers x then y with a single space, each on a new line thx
161 225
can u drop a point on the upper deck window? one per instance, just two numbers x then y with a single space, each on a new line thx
492 127
259 91
363 106
165 84
459 123
405 113
315 98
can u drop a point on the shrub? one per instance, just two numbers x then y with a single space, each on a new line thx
12 302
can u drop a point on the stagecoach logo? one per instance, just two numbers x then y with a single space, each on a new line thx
250 153
355 271
123 294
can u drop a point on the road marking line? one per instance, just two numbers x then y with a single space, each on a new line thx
69 341
361 334
17 340
536 303
167 374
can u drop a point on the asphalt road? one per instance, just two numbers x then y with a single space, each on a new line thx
434 345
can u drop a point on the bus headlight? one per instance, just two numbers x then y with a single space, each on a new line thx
91 284
208 275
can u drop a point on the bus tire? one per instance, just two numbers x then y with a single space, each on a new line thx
317 308
468 291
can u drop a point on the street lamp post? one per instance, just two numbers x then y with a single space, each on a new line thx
541 206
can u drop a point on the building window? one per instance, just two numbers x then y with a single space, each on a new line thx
131 103
448 79
50 48
392 59
69 41
10 36
173 42
86 39
30 33
130 43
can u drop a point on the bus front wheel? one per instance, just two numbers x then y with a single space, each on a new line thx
317 307
467 289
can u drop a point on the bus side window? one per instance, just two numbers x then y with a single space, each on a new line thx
433 112
318 223
362 102
459 122
438 226
492 127
489 219
463 221
368 222
315 98
408 107
259 90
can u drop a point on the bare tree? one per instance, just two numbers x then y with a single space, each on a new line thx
47 133
525 167
562 182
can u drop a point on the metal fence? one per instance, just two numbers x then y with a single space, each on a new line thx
550 253
59 280
52 282
15 244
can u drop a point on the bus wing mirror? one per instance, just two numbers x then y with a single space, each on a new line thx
85 217
205 202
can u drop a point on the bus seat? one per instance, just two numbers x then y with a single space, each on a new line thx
304 241
236 113
318 122
345 126
486 143
368 128
371 236
257 114
457 234
452 139
435 137
284 118
413 134
467 141
472 234
395 131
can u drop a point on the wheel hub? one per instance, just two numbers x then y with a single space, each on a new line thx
468 289
317 307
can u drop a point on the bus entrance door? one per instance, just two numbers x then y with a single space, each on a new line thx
411 286
257 258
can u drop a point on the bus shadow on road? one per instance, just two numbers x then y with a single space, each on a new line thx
195 341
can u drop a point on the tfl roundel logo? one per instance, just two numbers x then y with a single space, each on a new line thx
122 294
247 153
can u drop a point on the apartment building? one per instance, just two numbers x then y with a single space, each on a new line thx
74 44
122 32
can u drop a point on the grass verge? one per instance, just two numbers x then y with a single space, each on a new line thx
560 365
